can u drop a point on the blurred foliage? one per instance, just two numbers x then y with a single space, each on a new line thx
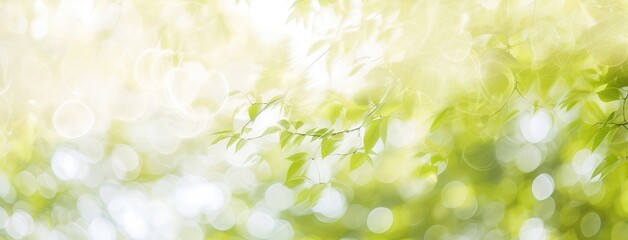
314 119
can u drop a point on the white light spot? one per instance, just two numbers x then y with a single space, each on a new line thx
379 220
543 186
279 197
162 218
269 18
260 224
39 27
4 217
584 163
225 220
193 196
590 224
400 133
88 206
533 229
101 229
68 164
73 119
283 230
191 230
124 160
454 194
529 158
135 224
332 204
162 139
20 225
26 183
535 128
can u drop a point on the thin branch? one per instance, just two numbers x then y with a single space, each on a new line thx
505 103
260 112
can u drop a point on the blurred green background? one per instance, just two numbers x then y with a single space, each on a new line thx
313 119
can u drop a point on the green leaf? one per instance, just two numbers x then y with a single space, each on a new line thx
315 193
600 135
357 160
310 196
328 146
608 165
219 138
284 124
371 136
272 130
355 69
234 92
233 139
254 110
368 158
240 144
274 99
383 129
284 138
294 182
301 156
298 125
317 46
610 94
440 119
221 132
321 132
298 139
296 169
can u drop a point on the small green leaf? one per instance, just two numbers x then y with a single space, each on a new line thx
274 99
298 139
355 69
321 132
284 124
272 130
357 160
233 139
240 144
301 156
368 158
221 132
371 136
383 129
610 94
294 182
311 195
610 117
328 146
600 135
303 195
315 193
284 138
254 110
439 120
608 165
296 169
298 125
219 138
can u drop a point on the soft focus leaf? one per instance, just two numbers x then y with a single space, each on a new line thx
357 160
254 110
610 94
371 136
